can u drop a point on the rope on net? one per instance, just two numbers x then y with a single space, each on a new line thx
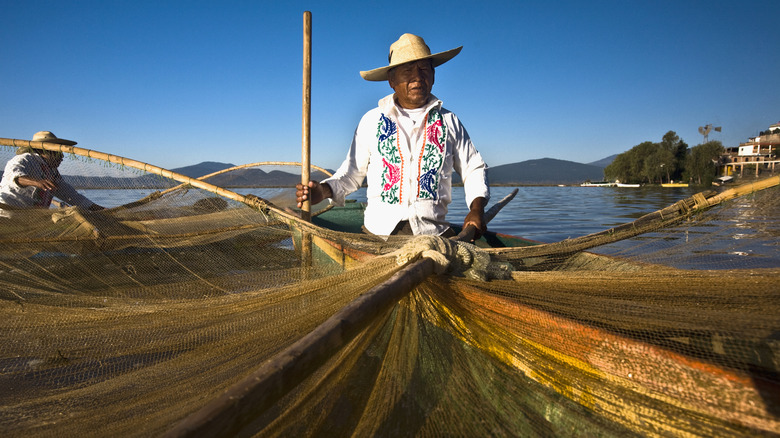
454 257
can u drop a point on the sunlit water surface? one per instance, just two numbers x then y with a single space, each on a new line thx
551 214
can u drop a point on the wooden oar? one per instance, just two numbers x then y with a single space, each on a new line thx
467 235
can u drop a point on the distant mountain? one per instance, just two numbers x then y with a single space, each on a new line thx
244 177
545 171
204 168
260 178
604 162
238 178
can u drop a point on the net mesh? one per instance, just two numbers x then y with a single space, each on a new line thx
161 317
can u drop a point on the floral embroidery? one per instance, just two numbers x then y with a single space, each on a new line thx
387 144
427 183
387 128
434 134
430 163
392 175
432 156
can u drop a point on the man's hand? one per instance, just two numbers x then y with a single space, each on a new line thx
476 217
43 184
315 192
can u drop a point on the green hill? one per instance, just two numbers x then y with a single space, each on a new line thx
544 171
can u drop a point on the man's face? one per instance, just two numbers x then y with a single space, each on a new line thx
412 83
53 158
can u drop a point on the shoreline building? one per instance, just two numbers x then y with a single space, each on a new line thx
758 152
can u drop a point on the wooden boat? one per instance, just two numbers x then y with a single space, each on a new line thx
598 184
608 184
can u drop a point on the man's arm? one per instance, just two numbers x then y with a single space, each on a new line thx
61 189
476 216
472 168
43 184
67 193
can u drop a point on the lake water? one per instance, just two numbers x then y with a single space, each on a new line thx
546 214
551 214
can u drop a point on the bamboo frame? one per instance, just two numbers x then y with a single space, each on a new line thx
671 214
116 159
256 164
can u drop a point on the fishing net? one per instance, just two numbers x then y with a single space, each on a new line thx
209 309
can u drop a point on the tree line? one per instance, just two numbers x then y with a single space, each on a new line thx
667 161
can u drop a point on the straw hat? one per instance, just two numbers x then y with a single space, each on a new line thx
48 137
408 48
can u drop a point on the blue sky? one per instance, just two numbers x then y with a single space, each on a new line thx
174 83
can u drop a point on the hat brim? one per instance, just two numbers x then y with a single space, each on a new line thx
61 141
380 74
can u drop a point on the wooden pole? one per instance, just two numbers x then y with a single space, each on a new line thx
306 128
306 244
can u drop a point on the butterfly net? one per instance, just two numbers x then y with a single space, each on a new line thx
206 307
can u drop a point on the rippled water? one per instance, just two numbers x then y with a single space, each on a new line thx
551 214
546 214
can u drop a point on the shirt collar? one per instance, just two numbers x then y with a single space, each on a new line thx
387 104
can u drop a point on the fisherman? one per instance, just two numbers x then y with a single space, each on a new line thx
408 147
31 179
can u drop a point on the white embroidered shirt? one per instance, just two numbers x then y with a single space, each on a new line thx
408 157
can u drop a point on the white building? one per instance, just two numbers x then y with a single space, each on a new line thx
759 152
